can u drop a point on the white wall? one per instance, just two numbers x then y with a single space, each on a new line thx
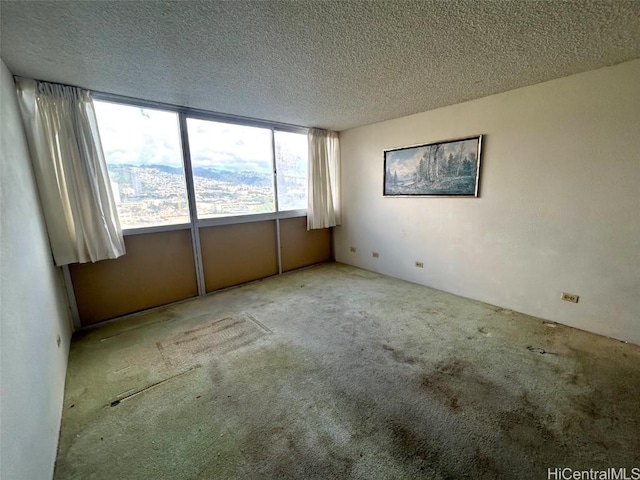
559 206
33 312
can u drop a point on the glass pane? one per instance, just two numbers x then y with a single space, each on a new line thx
291 161
232 168
144 159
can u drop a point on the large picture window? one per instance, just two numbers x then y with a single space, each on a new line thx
233 166
144 158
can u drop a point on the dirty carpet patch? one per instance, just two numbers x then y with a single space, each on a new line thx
211 338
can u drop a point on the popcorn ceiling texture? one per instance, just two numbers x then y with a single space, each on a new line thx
329 64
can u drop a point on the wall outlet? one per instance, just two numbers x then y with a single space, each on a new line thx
569 297
352 249
375 254
419 265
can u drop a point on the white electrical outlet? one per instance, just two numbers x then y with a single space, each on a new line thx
569 297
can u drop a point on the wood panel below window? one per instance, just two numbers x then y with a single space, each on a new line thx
157 269
240 253
301 248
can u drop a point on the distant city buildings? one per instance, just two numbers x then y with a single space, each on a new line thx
148 195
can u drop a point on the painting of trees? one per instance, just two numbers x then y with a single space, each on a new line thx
445 168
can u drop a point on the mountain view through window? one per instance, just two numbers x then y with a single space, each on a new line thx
144 158
232 168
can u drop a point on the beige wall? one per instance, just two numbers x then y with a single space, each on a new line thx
559 208
234 254
157 269
300 247
33 311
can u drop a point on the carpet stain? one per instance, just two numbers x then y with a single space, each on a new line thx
524 428
439 383
453 367
485 466
539 350
434 385
409 444
587 405
400 356
484 331
428 460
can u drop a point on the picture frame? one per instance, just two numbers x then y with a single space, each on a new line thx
449 168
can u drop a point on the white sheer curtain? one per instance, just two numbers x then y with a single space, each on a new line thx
324 179
71 172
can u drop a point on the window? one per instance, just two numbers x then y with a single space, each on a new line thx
144 158
292 154
232 168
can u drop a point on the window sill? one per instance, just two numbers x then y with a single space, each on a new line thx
212 222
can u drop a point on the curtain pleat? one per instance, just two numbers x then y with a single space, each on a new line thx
71 172
323 209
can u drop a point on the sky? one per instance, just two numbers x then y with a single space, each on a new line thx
143 136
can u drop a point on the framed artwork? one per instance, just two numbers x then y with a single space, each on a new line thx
444 169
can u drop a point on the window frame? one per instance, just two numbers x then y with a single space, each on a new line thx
183 114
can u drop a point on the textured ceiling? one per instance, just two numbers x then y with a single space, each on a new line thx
330 64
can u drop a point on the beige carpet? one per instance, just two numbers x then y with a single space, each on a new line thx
336 372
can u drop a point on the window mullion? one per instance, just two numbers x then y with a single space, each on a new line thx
191 195
275 193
